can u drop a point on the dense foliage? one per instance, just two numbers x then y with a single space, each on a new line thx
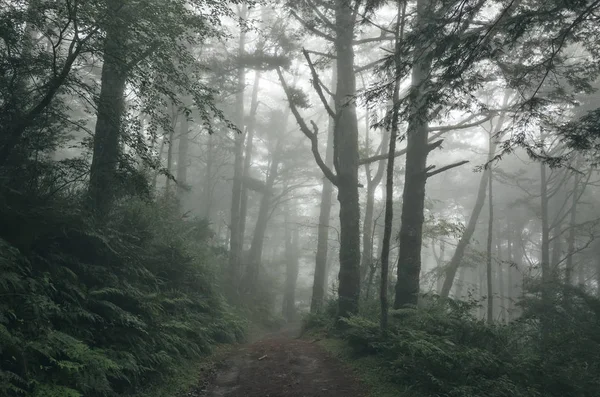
443 350
97 311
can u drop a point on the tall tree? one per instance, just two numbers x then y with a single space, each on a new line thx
345 146
265 207
413 195
111 106
490 240
345 158
320 276
251 125
572 229
182 155
389 185
465 238
235 242
373 182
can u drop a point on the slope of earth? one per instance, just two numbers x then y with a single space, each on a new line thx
279 365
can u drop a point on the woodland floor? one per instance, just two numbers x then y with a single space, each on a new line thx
281 365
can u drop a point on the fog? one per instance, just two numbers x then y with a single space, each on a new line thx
268 162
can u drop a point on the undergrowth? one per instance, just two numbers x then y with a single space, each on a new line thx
442 350
100 310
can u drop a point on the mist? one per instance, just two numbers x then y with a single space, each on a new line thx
185 182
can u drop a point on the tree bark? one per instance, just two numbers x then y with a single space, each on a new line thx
489 270
413 196
320 276
182 160
111 107
389 180
572 231
346 161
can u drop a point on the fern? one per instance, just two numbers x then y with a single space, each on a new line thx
98 312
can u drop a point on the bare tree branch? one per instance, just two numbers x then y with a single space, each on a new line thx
312 28
434 145
306 131
464 123
373 39
369 65
322 16
323 54
317 85
446 168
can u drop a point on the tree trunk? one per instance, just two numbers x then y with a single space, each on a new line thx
291 267
258 237
389 180
518 283
501 288
182 161
545 249
465 239
556 247
207 186
248 156
346 161
320 276
235 243
367 232
489 270
111 107
171 143
413 196
572 232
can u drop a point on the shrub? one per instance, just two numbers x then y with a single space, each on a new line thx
442 350
99 310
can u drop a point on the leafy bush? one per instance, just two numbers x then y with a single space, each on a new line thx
441 350
100 310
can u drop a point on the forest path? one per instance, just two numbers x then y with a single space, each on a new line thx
280 365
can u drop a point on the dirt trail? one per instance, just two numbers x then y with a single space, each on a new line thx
280 365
